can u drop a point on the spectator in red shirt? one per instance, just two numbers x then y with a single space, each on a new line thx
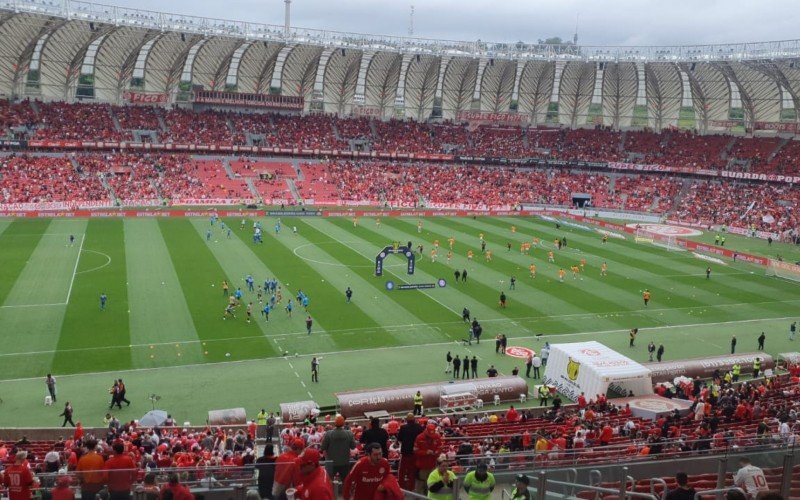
512 415
18 478
62 491
426 450
174 490
314 481
605 435
366 477
120 473
285 467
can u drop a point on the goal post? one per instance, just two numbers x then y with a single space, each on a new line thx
643 236
785 270
667 241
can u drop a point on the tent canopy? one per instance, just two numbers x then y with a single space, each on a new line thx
592 368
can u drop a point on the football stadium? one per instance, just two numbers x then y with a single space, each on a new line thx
241 260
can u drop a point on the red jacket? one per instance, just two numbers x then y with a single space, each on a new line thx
284 467
364 479
121 472
391 489
315 486
179 492
424 443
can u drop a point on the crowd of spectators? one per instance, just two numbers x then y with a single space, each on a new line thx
767 207
505 142
76 122
205 127
138 117
404 136
673 147
15 115
723 415
43 179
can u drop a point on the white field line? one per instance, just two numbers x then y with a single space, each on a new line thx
354 351
75 269
34 305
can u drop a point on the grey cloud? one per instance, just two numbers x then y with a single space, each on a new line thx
602 22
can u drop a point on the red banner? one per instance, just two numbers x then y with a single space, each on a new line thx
779 126
144 97
248 100
370 111
724 123
482 116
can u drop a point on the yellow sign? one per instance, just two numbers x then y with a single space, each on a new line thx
573 367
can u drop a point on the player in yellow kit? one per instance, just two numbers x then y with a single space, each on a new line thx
355 221
436 244
604 269
449 255
513 229
419 226
451 241
378 222
575 270
488 255
434 253
480 236
470 253
551 257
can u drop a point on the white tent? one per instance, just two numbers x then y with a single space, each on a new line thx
592 368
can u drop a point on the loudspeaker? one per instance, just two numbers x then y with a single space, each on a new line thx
692 67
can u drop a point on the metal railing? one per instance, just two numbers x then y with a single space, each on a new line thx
139 18
717 492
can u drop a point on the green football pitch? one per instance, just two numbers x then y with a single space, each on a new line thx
163 330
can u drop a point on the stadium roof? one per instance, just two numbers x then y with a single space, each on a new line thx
124 16
62 50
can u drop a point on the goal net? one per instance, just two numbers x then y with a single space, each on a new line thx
643 236
785 270
668 242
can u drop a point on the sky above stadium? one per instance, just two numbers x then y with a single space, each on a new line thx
601 22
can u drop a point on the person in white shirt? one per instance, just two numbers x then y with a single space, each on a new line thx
750 478
785 430
536 363
545 353
699 411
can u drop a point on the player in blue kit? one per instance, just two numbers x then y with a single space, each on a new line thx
265 311
103 300
289 308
